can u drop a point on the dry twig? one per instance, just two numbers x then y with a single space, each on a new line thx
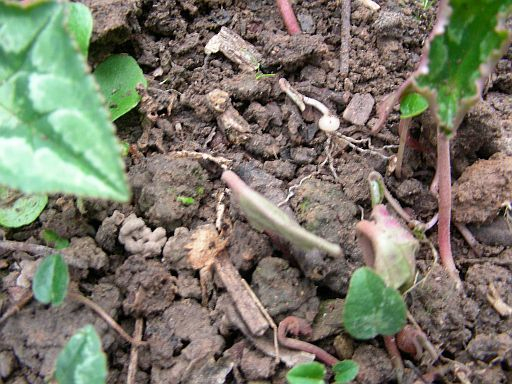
134 353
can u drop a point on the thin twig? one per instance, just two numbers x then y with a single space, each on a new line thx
267 316
34 249
16 307
470 239
105 316
403 130
345 37
134 353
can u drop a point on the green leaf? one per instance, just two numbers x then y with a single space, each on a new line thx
118 77
52 239
185 200
461 55
80 25
17 209
306 373
263 215
82 360
51 280
55 133
412 104
345 371
371 308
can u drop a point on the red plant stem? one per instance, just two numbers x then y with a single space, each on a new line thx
289 19
296 326
396 358
403 131
445 205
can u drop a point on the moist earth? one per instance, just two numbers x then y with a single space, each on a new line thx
133 259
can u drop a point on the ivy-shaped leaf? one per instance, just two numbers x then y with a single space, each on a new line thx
118 77
82 360
371 308
306 373
51 280
469 37
17 209
55 133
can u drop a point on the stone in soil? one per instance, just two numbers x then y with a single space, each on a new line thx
359 109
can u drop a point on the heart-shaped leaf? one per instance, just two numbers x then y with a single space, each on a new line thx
82 360
118 77
51 280
371 308
345 371
55 133
17 209
412 104
306 373
80 25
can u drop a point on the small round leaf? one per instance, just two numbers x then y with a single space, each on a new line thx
306 373
82 360
412 104
118 77
345 371
51 280
371 308
17 209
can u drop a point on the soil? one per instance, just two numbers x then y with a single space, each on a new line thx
145 272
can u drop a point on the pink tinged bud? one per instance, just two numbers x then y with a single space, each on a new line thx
389 248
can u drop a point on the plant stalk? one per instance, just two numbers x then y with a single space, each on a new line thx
445 205
289 19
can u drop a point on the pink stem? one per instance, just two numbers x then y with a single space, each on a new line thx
396 358
298 326
445 205
289 19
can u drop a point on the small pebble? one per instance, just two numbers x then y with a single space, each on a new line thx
359 109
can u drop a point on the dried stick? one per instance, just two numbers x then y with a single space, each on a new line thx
445 206
470 239
345 37
403 130
134 353
34 249
25 299
289 19
105 316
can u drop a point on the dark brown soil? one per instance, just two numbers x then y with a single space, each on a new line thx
192 336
